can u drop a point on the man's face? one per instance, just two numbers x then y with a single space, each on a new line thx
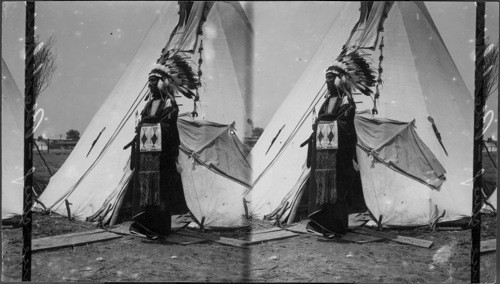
329 77
330 80
153 86
153 82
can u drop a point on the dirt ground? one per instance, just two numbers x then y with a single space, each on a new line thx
304 258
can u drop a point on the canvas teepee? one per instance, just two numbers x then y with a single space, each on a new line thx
491 203
97 172
12 146
421 86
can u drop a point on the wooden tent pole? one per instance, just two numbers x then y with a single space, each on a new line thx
479 102
29 102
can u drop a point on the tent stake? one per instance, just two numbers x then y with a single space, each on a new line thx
435 222
378 222
245 207
202 224
68 209
196 220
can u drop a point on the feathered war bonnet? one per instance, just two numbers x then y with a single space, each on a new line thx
352 71
177 75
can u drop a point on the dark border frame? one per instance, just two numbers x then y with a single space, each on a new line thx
29 102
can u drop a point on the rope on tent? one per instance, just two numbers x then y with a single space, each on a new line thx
379 80
45 163
489 155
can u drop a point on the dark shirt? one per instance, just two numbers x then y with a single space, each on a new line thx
343 111
167 117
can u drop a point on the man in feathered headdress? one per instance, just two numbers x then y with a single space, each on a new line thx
158 145
333 144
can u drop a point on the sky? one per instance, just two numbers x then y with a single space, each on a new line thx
95 41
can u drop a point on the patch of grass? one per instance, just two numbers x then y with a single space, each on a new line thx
45 225
53 160
490 173
488 226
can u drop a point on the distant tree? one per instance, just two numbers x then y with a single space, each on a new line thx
44 64
257 131
73 135
490 75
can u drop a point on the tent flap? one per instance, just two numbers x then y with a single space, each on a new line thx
216 146
398 145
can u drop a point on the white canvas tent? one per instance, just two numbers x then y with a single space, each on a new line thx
420 81
96 173
491 203
12 146
215 172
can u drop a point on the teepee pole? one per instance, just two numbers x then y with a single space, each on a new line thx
479 100
29 102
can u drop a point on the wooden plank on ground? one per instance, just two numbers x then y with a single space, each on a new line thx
299 228
122 229
359 238
95 231
270 236
488 245
172 238
217 239
350 236
302 228
175 226
182 218
183 240
273 229
356 220
69 240
395 238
